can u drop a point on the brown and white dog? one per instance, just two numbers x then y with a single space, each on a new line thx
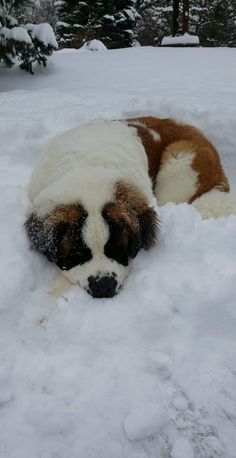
93 192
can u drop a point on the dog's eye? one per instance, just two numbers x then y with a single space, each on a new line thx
122 238
72 252
74 258
119 245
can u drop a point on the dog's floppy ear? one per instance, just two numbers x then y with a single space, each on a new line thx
149 227
43 236
55 234
132 223
139 212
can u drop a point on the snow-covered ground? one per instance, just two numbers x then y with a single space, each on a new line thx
150 373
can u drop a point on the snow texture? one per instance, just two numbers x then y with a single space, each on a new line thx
151 372
93 45
185 39
144 422
20 34
44 33
16 33
182 449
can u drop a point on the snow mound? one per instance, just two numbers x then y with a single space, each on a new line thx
93 45
144 422
185 39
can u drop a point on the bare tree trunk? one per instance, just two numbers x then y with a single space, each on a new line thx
175 17
185 16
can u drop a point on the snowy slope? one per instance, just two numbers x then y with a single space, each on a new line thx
152 372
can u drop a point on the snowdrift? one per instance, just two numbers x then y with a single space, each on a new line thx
151 372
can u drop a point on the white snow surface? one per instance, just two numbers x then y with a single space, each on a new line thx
182 449
152 372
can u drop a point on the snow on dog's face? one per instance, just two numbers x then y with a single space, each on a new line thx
93 247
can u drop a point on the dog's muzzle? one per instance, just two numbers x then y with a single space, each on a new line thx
105 286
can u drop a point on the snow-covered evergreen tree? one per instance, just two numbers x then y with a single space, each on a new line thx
111 21
119 23
37 11
155 20
198 11
218 24
214 21
26 44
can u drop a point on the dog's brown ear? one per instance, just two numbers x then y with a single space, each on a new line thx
138 209
149 227
43 236
58 235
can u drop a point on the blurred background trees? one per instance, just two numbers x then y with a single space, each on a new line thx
214 21
111 21
124 23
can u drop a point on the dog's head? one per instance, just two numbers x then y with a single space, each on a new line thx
93 247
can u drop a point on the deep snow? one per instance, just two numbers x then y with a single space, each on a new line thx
152 372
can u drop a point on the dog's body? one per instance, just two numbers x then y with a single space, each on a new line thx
92 193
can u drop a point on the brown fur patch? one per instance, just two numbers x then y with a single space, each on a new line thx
174 138
132 208
57 235
70 214
127 205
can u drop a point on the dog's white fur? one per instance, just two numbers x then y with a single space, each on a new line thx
84 163
215 204
178 173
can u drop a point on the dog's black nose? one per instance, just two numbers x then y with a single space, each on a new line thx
102 286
